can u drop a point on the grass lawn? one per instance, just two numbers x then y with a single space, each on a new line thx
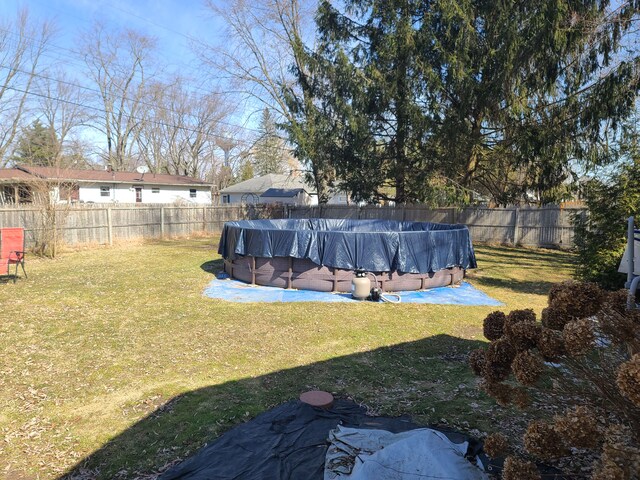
113 364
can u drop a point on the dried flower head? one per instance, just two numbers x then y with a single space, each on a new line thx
578 337
500 392
517 469
543 441
498 358
520 398
628 379
496 445
493 325
554 318
578 427
621 328
616 301
620 451
609 471
477 361
551 345
524 335
527 367
518 316
576 300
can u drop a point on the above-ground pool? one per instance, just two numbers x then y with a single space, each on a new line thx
323 254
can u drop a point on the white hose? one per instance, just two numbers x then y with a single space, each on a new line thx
385 298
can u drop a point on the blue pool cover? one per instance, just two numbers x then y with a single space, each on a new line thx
236 291
371 245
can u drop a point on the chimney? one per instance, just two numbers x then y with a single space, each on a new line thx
108 167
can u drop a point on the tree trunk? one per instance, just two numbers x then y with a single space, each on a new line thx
472 161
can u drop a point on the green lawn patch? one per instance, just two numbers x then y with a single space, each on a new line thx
113 363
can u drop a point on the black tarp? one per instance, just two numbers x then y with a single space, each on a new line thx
371 245
288 442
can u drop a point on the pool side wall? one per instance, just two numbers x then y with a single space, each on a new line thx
303 274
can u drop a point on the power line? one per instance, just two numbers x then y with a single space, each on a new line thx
156 122
156 106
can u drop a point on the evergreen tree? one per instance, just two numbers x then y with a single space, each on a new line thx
523 87
269 150
495 96
601 234
375 83
246 171
37 146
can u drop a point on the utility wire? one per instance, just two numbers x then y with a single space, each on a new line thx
156 122
151 105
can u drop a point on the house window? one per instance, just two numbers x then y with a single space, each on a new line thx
192 193
155 190
226 199
105 191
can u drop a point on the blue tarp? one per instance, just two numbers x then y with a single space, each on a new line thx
236 291
371 245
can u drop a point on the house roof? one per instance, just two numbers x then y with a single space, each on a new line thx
261 184
105 176
11 175
282 192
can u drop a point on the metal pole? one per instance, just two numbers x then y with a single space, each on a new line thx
630 251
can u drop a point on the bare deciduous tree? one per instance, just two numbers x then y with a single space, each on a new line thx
265 44
120 66
180 129
259 51
63 110
21 47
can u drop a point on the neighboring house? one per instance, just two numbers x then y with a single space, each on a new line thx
288 196
14 186
251 191
103 186
255 190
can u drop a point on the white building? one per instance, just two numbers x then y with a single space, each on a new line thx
105 186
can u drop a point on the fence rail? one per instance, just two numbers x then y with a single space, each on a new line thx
531 226
104 224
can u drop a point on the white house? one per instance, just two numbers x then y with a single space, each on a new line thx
106 186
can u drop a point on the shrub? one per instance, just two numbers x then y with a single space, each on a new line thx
593 384
600 234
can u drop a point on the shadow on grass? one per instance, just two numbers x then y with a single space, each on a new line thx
9 279
536 287
417 378
213 266
519 255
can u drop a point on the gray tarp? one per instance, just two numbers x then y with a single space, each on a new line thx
289 442
371 245
424 453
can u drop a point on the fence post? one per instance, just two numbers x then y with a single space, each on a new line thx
516 226
204 218
162 222
109 226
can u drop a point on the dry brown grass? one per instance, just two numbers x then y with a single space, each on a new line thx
112 355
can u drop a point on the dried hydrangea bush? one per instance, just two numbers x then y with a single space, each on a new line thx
581 360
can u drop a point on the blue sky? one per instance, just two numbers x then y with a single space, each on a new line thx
171 22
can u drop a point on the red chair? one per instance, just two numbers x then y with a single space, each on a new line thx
12 251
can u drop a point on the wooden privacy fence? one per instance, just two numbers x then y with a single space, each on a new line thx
530 226
105 223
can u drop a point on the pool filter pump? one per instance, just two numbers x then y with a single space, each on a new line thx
360 286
